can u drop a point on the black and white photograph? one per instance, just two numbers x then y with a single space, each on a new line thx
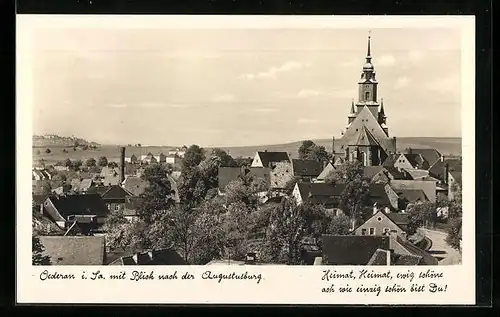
288 146
276 144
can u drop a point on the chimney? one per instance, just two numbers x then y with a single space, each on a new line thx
389 256
394 141
442 158
446 171
333 144
122 164
375 208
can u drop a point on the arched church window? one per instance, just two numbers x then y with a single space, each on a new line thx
367 95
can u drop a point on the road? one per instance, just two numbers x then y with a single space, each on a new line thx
445 254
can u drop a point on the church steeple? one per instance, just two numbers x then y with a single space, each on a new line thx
368 54
381 115
352 114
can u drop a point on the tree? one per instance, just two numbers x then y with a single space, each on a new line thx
289 224
290 185
454 233
91 162
226 160
112 164
67 162
37 253
46 188
243 161
193 157
47 151
310 151
77 164
76 144
420 214
195 233
117 230
196 181
103 161
158 195
339 225
355 196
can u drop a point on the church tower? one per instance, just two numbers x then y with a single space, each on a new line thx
366 138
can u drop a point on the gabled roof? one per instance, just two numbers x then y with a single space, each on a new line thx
327 170
227 175
416 160
364 138
399 218
306 167
135 185
390 160
325 189
155 257
88 204
371 171
427 259
351 250
273 157
396 174
116 192
438 168
378 194
86 184
412 195
457 176
74 250
417 174
430 155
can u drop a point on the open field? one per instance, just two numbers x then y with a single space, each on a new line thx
447 146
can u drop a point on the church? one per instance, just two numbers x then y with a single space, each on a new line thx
366 138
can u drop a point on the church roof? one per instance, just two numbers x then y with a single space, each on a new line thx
365 137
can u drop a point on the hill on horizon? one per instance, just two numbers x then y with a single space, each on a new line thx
446 146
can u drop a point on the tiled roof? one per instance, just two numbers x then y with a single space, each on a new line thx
390 160
438 169
371 171
396 174
408 259
399 218
115 192
89 204
155 257
457 176
86 184
326 171
74 250
430 155
417 174
412 195
364 138
379 257
416 160
306 167
135 185
325 189
378 194
351 250
273 157
427 259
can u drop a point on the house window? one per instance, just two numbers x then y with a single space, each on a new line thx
379 219
117 207
386 231
372 231
363 232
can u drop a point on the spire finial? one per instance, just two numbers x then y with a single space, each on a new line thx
368 55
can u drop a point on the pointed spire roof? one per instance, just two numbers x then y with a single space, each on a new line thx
364 138
382 112
352 113
368 54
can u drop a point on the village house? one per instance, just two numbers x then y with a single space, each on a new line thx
179 151
371 250
152 257
131 207
110 175
307 170
173 159
87 212
115 197
454 183
132 159
269 159
382 224
59 166
148 158
74 250
160 158
41 174
227 175
427 186
327 170
134 185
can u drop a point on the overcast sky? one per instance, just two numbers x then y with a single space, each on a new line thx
239 87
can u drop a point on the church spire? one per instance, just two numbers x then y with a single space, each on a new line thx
382 113
352 107
368 54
